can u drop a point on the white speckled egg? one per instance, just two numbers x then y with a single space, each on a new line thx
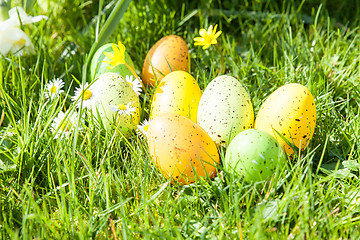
225 109
113 91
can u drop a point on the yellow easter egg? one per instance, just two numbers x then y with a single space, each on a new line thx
178 93
290 113
181 149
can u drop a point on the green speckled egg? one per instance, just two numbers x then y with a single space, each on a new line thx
225 109
112 90
255 155
97 67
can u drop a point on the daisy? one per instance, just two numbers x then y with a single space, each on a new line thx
84 94
123 109
143 128
64 124
53 88
135 84
208 37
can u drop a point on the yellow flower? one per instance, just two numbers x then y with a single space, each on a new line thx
116 58
207 37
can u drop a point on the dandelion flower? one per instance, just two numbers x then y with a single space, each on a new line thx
123 109
84 94
116 58
135 84
64 124
54 88
143 128
208 37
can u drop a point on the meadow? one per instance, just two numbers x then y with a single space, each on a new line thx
100 185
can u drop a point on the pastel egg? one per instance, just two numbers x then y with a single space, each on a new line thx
225 109
255 155
181 149
178 93
168 54
97 67
290 113
113 93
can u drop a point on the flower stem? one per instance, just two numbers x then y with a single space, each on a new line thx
222 60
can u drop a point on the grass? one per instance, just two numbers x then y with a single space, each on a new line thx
108 187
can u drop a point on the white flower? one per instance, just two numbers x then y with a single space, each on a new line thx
123 109
53 88
136 84
64 124
143 128
84 94
12 38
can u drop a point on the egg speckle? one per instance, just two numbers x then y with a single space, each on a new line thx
225 109
168 54
181 149
289 111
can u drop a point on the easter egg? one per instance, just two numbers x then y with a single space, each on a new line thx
181 149
98 67
225 109
168 54
117 105
289 111
177 93
255 155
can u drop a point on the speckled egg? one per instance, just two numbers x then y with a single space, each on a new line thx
168 54
181 149
225 109
255 155
289 111
97 67
112 91
178 93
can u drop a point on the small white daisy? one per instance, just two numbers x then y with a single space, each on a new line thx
53 88
135 84
143 128
123 109
63 125
84 94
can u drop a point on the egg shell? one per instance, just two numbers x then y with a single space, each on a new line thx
177 93
255 155
112 89
168 54
181 149
290 110
225 109
97 67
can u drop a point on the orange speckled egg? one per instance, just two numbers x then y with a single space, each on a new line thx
168 54
181 149
177 93
289 111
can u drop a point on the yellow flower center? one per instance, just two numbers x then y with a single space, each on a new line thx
65 126
122 107
87 94
146 127
53 89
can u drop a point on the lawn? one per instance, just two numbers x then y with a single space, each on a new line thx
99 184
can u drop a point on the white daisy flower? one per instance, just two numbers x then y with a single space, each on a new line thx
123 109
12 38
64 124
143 128
53 88
135 83
84 94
